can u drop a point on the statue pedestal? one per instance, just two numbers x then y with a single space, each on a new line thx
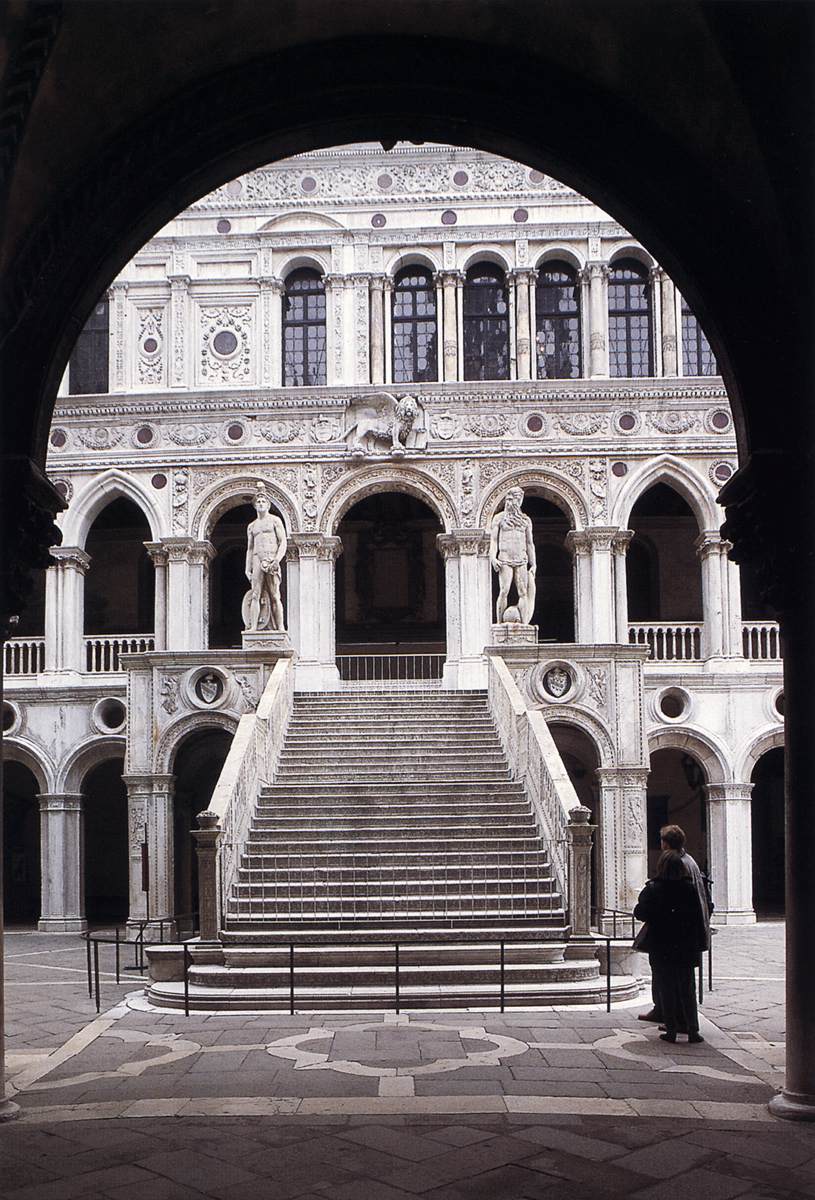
266 639
514 634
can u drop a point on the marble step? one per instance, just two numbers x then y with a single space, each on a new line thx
455 932
265 909
419 807
344 773
430 861
384 821
393 789
452 843
343 739
353 975
382 955
441 879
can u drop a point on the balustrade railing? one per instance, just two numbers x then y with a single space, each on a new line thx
387 670
534 759
104 653
761 640
24 656
669 641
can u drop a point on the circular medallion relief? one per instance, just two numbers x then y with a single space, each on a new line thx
535 424
721 472
235 432
536 176
461 178
64 488
557 681
58 438
159 481
223 225
150 345
673 704
209 687
379 221
384 182
11 717
627 422
619 469
520 216
308 184
109 715
234 188
225 343
145 434
448 217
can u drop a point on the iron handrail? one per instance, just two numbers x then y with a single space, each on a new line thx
95 938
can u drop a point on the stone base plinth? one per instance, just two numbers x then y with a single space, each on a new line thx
514 634
266 639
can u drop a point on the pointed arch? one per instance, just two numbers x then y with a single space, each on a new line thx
98 494
683 479
554 487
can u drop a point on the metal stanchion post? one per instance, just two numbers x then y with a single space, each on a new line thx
503 979
96 972
117 954
88 961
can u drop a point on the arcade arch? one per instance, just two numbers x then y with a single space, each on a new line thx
676 795
663 575
227 574
21 844
197 763
120 581
105 857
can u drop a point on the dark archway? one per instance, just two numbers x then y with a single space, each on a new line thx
21 845
767 820
227 575
663 573
120 583
198 763
581 760
677 796
106 845
390 578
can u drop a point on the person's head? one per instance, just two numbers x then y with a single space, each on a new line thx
514 499
261 504
671 866
672 838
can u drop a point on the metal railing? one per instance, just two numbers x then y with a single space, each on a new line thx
104 653
24 656
357 887
391 669
761 640
620 919
171 930
674 641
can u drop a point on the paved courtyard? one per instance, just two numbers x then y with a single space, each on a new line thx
447 1105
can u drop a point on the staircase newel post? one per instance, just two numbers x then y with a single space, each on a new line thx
206 847
579 882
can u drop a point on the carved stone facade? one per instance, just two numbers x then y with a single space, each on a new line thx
196 416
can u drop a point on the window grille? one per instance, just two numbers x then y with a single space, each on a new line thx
557 316
629 320
697 356
88 364
304 358
414 325
486 323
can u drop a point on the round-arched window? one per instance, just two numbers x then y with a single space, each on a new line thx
415 329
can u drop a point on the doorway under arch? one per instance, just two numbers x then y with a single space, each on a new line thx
198 763
22 880
581 760
390 578
106 843
767 820
676 795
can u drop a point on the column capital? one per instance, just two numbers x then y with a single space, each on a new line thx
710 541
596 537
336 280
449 277
117 288
271 283
621 540
61 801
523 274
627 777
187 549
70 556
179 282
658 274
719 792
463 541
201 552
377 282
314 545
595 270
146 784
158 553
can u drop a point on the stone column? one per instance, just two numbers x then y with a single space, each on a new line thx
313 599
377 329
580 837
580 546
65 609
361 327
150 822
598 319
187 587
525 334
667 298
623 826
117 369
335 328
468 603
619 548
439 326
513 329
716 595
62 861
271 323
450 327
730 852
178 330
159 555
389 330
206 848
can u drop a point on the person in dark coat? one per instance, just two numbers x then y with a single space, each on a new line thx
676 933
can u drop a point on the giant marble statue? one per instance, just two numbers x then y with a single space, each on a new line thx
266 545
512 555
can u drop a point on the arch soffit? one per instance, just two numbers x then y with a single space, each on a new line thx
25 752
587 723
488 254
181 729
635 251
107 487
85 757
299 262
350 491
223 495
710 755
769 738
563 254
678 475
418 256
560 491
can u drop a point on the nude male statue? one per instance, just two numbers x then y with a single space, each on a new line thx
266 545
512 555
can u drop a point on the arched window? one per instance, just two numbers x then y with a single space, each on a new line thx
629 320
486 323
697 356
88 364
557 316
415 335
304 329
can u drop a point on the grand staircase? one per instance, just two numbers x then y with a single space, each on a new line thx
392 821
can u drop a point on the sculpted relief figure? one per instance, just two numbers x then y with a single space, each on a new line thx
512 555
381 418
265 547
